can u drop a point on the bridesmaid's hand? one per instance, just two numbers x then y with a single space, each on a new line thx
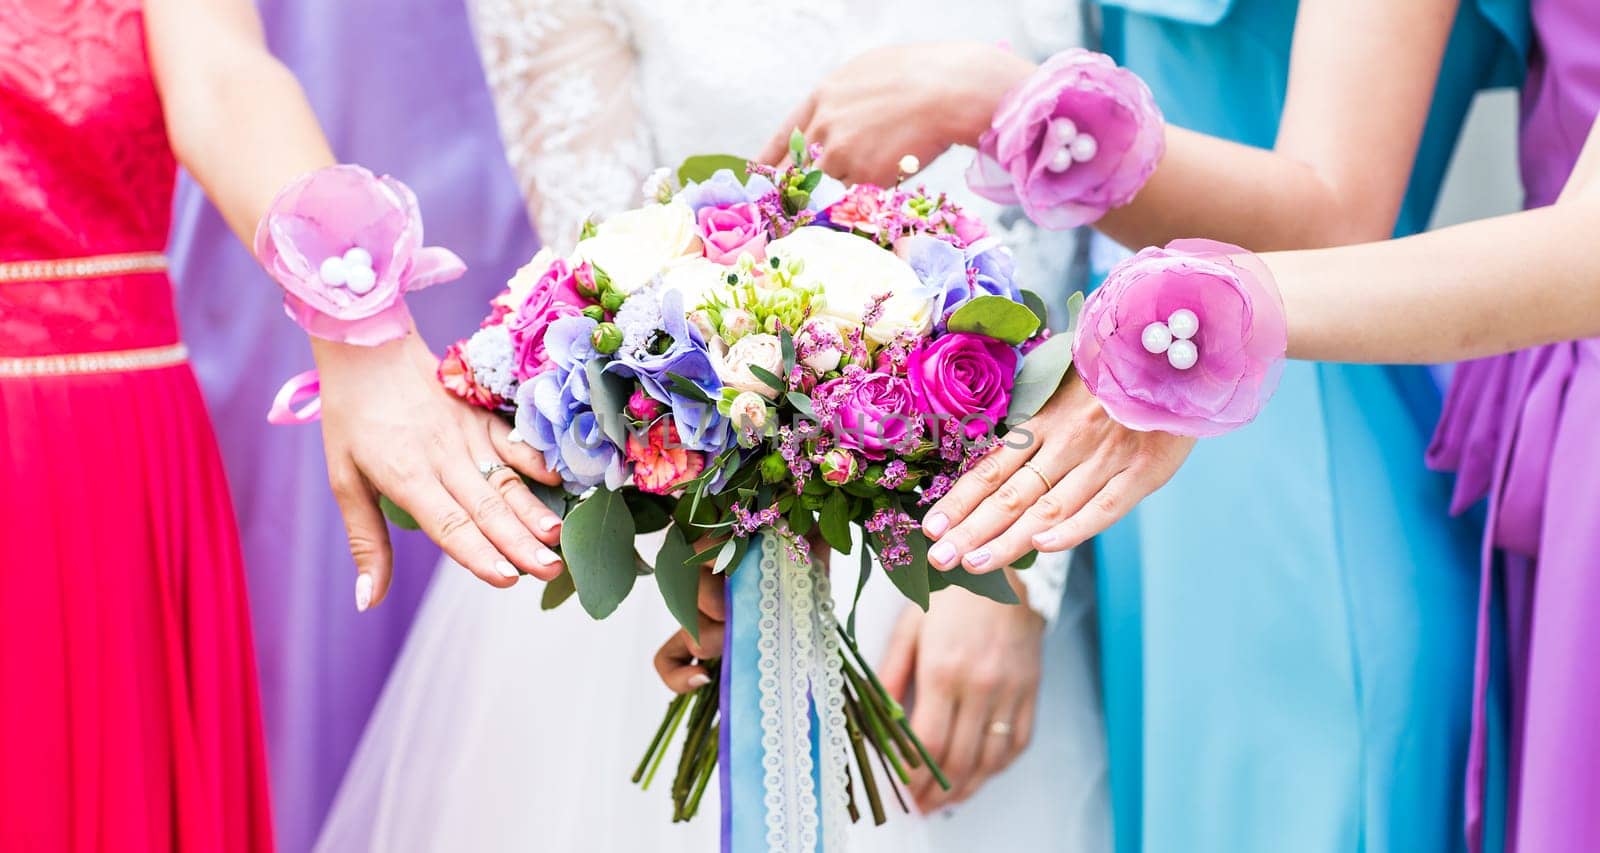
974 665
1076 474
678 661
893 101
390 428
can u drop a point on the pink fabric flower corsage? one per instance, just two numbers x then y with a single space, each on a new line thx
1187 339
346 246
1077 138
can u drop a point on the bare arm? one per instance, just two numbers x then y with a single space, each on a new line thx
240 123
1463 292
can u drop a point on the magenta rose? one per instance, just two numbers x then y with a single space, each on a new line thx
1188 339
732 230
876 416
552 297
1077 138
966 377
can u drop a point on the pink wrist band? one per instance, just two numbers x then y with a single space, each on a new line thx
346 246
1077 138
1189 339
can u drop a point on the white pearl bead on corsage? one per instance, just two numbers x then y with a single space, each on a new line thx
1172 339
1070 145
352 270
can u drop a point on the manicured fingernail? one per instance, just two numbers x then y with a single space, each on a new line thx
699 680
979 557
547 557
506 569
363 593
942 554
514 437
1045 540
935 524
548 523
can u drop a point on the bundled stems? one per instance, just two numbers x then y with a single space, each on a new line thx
895 712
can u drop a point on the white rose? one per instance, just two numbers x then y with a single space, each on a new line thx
748 410
696 278
852 271
635 245
732 363
522 282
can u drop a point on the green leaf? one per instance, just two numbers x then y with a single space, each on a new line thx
811 180
912 580
995 317
650 512
802 404
1041 374
608 396
701 167
554 498
835 521
397 516
1074 313
597 546
786 347
688 389
1025 561
861 584
991 585
801 520
678 577
1036 304
557 591
769 377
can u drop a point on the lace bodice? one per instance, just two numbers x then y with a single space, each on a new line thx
85 167
593 94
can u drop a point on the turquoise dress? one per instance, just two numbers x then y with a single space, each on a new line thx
1288 625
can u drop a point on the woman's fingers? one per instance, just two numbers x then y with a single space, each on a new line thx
709 646
364 526
444 520
1054 507
535 516
519 454
1002 741
710 598
777 148
488 511
969 541
900 660
960 764
1107 507
975 486
676 665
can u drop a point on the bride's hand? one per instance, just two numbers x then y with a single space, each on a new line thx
390 428
1076 473
678 659
974 665
893 101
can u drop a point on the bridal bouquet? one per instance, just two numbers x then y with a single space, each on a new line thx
756 360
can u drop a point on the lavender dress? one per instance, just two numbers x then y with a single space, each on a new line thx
1520 430
399 89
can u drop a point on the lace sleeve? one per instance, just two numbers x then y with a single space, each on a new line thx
562 76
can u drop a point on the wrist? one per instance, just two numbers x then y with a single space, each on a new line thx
985 76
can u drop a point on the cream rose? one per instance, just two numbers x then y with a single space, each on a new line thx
732 363
696 278
522 282
852 271
635 245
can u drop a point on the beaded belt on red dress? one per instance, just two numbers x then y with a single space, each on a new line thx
114 267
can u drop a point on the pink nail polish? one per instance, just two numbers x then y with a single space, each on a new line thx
936 524
979 558
363 593
942 554
699 680
1045 540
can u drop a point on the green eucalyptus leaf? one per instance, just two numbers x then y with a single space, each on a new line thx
702 167
1041 374
802 404
912 579
786 347
728 557
811 180
1074 313
861 584
608 396
554 498
688 389
678 577
397 516
835 521
990 585
1037 305
597 546
557 591
1025 561
769 377
995 317
650 512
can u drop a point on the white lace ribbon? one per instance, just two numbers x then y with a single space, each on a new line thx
799 663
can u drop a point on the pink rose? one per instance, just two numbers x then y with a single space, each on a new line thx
731 231
1189 339
659 464
643 407
839 467
552 297
876 413
966 377
1077 138
969 229
859 210
347 246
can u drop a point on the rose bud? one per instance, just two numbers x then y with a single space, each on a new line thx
821 345
607 338
595 313
705 322
736 323
583 281
643 407
748 411
840 466
612 300
774 467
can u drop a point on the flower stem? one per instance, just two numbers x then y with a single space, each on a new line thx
672 731
880 728
708 767
853 726
674 710
896 713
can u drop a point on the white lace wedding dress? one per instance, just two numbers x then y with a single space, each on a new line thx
505 728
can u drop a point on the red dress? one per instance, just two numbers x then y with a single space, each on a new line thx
129 717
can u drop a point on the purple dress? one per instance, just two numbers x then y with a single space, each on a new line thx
1520 430
398 86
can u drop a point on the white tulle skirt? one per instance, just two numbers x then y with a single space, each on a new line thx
507 728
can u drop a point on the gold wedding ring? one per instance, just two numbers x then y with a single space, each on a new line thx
1000 728
1040 474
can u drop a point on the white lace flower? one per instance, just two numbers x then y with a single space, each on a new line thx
489 353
